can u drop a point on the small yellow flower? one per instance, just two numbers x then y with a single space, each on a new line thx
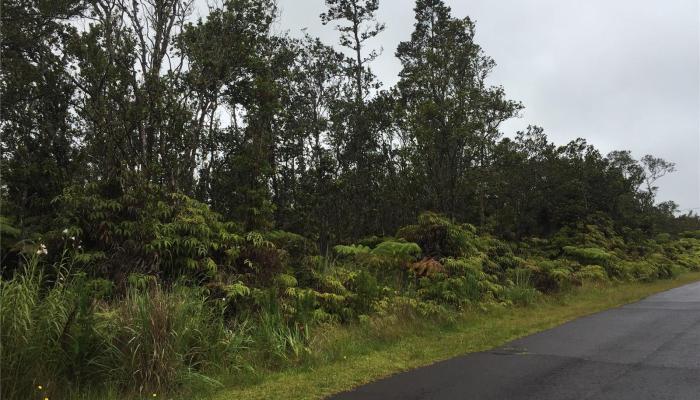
39 387
155 395
46 398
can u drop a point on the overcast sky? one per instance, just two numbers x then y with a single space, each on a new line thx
624 74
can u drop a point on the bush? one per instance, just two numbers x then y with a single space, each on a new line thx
351 250
439 237
259 260
398 250
554 275
140 228
691 234
426 267
463 283
596 256
162 340
366 291
596 230
295 245
592 273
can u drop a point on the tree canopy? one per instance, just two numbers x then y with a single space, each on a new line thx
278 132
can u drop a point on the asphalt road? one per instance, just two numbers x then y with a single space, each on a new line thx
645 350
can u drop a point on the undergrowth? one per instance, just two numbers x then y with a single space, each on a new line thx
269 302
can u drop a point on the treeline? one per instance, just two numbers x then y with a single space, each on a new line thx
275 131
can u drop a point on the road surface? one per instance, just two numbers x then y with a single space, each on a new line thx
644 350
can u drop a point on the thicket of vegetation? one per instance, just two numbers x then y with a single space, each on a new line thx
190 201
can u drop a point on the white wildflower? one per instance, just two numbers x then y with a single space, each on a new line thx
65 231
42 250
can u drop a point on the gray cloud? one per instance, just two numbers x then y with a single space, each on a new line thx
622 74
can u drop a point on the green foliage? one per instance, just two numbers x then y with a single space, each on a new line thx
351 250
691 234
7 230
592 273
166 246
160 340
68 332
9 238
139 228
259 313
386 256
554 275
463 282
295 245
373 241
439 237
521 290
286 281
594 256
400 250
456 291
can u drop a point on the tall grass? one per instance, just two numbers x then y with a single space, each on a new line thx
64 334
522 291
35 318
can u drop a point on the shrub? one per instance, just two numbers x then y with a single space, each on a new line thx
366 291
664 267
662 238
295 245
592 255
521 290
439 237
426 267
596 256
399 250
554 275
463 283
691 234
351 250
596 230
404 308
373 241
591 273
259 260
140 228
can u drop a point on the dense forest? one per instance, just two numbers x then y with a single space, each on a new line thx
154 165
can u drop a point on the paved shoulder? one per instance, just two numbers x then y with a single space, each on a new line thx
645 350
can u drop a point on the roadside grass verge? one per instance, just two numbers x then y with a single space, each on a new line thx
346 357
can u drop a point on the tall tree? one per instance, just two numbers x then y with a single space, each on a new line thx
655 168
451 113
354 136
39 153
133 114
236 62
304 190
356 25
